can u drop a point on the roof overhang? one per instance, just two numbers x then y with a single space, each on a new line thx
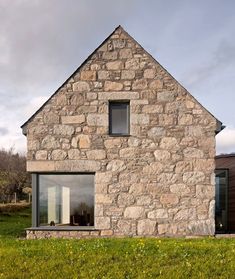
219 127
24 130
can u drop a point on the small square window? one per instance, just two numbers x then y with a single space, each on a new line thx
119 118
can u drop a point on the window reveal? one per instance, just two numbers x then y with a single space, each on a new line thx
119 118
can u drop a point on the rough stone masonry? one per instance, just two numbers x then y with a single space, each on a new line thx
159 181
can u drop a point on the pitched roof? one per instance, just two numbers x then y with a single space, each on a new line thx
219 123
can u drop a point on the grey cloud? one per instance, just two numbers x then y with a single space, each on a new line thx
47 40
43 42
225 140
3 131
221 58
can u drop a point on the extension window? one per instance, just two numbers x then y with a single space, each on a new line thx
66 200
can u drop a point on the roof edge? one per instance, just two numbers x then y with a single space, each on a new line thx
23 126
219 123
219 126
225 155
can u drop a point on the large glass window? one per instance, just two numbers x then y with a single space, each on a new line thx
119 118
66 200
221 200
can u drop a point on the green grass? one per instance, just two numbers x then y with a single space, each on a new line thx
111 258
13 221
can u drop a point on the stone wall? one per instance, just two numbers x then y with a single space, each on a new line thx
39 234
157 181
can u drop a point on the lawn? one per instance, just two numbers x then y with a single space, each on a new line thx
110 258
13 220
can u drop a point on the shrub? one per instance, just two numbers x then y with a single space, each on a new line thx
13 207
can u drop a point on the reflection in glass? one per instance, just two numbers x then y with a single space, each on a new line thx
66 200
221 200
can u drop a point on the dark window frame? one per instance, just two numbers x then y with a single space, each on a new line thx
119 103
226 170
36 203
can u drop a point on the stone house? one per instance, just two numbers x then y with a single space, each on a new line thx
121 149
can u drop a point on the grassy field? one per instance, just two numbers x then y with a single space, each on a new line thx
13 220
110 258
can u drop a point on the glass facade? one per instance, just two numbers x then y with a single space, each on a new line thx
66 199
221 200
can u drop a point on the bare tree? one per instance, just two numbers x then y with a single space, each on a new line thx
13 175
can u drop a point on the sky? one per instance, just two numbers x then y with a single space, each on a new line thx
42 42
